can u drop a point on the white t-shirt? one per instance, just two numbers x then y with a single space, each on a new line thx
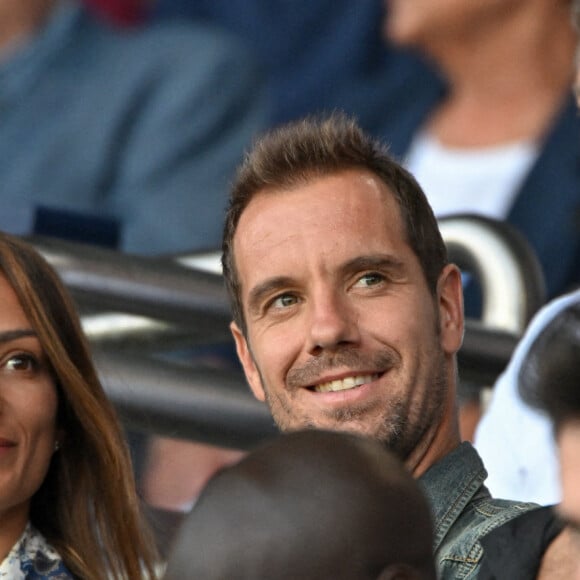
483 181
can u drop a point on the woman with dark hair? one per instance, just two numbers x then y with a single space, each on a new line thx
68 505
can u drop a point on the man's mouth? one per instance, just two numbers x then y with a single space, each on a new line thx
345 384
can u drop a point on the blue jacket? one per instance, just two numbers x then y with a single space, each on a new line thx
327 54
143 127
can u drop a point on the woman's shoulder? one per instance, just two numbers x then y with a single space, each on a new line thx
33 558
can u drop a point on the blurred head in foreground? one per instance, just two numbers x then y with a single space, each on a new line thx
309 505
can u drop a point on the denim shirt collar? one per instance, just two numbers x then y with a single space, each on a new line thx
450 485
20 69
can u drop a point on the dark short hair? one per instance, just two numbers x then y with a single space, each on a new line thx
550 377
315 489
299 152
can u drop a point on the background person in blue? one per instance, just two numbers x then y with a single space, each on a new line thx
474 96
312 505
140 127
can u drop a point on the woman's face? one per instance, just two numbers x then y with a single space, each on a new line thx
28 408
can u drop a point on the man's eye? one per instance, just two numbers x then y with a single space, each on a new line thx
370 279
284 301
21 362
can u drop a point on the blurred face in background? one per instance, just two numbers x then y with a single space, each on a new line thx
569 432
421 23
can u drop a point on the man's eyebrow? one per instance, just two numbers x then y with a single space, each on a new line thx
373 262
257 293
10 335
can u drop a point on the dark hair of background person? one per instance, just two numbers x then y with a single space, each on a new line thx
309 504
550 377
301 151
87 506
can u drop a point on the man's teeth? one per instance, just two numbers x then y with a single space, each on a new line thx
344 384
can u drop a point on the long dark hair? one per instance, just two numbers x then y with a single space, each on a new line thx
87 506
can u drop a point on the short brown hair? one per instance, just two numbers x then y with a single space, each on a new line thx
301 151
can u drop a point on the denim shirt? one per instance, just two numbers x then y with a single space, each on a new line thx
463 511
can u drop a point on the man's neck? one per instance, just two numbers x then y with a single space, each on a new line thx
437 442
507 83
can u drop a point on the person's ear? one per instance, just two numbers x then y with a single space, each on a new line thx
450 302
247 360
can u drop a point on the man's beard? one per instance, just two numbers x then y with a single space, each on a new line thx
402 426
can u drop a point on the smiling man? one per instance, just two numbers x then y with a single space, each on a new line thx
348 316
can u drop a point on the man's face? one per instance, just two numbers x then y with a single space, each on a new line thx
342 331
569 447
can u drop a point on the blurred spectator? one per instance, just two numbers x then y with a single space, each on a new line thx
551 381
548 380
500 137
484 117
527 467
142 127
309 505
318 56
521 467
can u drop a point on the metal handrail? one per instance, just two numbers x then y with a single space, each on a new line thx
153 287
185 401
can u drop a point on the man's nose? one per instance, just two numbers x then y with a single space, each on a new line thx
333 323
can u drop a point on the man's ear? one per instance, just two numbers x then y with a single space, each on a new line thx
247 360
450 301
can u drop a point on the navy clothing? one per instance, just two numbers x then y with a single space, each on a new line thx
463 512
143 127
547 207
317 56
328 54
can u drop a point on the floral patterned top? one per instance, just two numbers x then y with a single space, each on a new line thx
33 558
